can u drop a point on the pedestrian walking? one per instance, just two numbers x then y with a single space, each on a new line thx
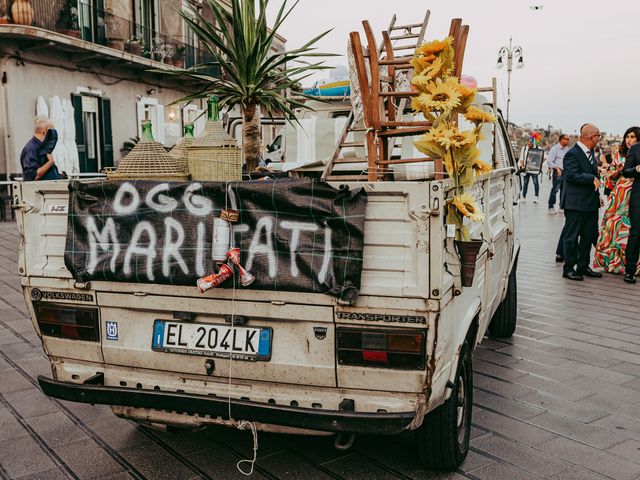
36 158
580 200
522 164
555 158
614 232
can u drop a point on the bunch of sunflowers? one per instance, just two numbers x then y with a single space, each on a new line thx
441 98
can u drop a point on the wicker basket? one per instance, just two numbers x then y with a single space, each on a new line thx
214 155
180 152
148 161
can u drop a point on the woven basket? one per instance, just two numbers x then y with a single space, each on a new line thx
214 155
150 161
181 153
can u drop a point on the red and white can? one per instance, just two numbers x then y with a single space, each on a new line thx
215 279
246 278
220 240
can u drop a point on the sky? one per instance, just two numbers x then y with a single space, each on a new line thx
580 57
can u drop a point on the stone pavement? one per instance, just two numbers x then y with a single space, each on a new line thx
560 400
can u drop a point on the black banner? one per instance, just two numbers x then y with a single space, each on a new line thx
293 235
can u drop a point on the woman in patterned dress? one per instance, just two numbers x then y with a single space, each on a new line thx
612 241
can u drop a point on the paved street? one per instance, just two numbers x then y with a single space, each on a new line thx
560 400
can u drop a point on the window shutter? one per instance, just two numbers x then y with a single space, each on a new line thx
100 22
106 136
76 101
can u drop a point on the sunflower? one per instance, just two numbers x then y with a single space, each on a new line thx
420 64
455 138
481 167
467 206
434 70
439 133
466 96
440 96
478 116
434 46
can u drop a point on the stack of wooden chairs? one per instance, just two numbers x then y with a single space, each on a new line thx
385 101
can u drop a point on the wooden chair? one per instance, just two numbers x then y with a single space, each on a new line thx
382 101
347 162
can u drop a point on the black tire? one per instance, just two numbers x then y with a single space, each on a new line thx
443 439
503 323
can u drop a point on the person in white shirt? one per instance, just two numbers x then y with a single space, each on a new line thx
554 162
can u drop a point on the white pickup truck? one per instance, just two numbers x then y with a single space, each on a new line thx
397 358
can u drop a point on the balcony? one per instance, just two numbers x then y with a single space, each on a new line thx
102 27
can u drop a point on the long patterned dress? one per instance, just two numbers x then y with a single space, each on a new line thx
614 231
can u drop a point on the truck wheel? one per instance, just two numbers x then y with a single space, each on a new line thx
503 323
443 439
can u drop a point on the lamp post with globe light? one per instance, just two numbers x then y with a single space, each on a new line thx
507 54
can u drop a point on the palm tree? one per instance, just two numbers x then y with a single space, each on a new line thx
254 76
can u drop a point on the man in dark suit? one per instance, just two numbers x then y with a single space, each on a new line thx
580 200
631 169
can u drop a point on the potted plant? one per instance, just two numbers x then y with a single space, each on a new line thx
441 99
178 56
4 12
67 22
133 45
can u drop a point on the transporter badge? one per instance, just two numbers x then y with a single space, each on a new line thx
320 332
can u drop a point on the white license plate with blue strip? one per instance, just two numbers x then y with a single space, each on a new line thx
239 343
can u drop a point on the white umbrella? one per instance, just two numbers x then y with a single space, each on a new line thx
70 135
56 116
42 110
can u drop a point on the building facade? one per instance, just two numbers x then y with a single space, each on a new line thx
101 55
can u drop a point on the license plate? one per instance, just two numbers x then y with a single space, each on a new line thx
238 343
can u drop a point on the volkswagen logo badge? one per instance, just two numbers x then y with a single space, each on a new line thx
36 294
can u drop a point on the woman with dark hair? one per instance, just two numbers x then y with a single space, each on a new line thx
612 241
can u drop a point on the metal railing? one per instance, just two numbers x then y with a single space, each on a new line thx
81 20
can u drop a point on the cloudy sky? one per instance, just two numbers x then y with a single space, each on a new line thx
581 57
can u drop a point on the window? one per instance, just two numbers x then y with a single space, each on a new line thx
150 109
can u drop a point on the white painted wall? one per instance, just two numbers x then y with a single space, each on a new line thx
26 83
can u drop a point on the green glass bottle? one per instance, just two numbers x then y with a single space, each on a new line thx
147 131
188 130
213 111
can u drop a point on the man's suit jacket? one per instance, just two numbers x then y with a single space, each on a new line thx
579 192
631 161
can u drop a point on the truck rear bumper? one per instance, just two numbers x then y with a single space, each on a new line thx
306 418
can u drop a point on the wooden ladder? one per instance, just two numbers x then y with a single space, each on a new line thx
354 168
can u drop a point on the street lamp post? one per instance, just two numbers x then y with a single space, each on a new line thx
507 54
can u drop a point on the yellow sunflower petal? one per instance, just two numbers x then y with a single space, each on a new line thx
434 46
481 167
440 96
478 116
468 207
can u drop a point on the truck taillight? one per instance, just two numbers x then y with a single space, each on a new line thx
379 348
67 321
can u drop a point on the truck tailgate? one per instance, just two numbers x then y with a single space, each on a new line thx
298 354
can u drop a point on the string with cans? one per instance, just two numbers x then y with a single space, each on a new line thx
225 256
